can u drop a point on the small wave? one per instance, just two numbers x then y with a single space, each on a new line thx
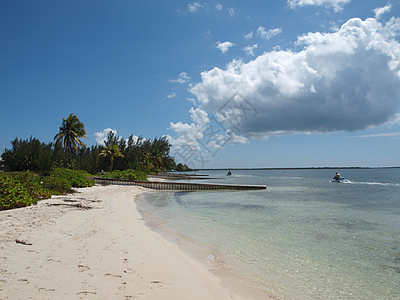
378 183
242 175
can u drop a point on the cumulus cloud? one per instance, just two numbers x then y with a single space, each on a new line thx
189 134
347 80
204 136
224 47
183 78
219 6
337 5
101 137
382 10
250 49
268 34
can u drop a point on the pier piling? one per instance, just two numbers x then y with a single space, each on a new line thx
179 186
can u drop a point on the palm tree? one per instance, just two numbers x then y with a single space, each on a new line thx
156 159
111 151
71 130
145 161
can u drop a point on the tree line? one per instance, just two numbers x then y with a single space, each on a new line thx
68 150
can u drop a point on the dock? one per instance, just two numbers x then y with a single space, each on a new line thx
177 186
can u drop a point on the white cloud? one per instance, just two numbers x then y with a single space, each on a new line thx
189 134
224 47
382 10
268 34
347 80
249 35
337 5
219 6
387 134
394 121
250 49
204 136
101 136
195 6
232 11
172 95
183 78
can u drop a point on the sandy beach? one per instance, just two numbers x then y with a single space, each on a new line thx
93 244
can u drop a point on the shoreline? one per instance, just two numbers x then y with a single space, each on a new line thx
249 288
94 244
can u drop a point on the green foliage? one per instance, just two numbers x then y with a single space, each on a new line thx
56 185
127 174
29 154
111 151
137 153
19 189
32 183
13 194
182 168
70 133
75 178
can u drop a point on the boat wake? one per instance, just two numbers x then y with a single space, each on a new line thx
388 184
378 183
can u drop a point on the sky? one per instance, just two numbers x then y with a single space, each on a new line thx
232 84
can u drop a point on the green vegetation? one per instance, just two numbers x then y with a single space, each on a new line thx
127 174
19 189
111 152
70 133
76 178
147 155
33 168
31 154
13 194
182 168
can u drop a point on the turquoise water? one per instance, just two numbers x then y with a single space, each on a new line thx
302 238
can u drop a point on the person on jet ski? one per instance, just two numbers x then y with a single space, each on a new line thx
337 177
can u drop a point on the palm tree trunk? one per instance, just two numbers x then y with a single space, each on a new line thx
112 162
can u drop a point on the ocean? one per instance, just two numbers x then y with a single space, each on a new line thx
304 237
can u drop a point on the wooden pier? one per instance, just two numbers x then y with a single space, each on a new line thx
178 186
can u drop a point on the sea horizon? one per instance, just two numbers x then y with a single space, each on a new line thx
293 168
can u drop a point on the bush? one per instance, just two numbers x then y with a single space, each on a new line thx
74 177
13 194
127 174
19 189
56 185
32 183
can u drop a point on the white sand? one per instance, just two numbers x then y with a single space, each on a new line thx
105 252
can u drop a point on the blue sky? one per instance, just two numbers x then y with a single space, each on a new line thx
290 83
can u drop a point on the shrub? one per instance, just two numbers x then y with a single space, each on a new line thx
13 194
32 183
74 177
127 174
19 189
56 185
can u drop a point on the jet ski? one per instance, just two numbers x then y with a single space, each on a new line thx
341 179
